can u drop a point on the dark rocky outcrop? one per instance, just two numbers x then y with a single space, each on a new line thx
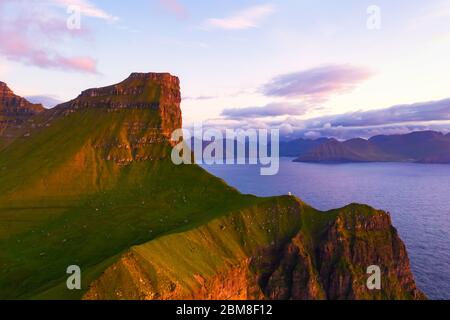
12 105
15 111
355 241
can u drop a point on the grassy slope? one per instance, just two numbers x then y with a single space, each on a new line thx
50 220
208 250
181 259
179 265
73 207
109 223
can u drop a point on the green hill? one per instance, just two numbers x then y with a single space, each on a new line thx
91 184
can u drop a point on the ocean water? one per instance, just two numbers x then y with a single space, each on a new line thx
416 195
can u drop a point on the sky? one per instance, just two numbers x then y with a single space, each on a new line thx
310 68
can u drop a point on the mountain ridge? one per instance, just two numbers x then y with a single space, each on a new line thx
420 146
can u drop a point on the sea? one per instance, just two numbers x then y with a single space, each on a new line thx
416 195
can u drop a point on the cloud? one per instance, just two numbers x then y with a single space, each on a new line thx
301 92
270 110
29 34
432 115
318 83
199 98
251 17
312 135
322 83
174 7
401 119
47 101
418 112
346 133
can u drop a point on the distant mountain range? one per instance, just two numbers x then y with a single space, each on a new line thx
419 147
423 147
295 148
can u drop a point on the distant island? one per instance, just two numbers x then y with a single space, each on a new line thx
416 147
419 147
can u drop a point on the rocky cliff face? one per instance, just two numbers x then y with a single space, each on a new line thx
159 92
146 110
298 264
14 111
355 241
13 105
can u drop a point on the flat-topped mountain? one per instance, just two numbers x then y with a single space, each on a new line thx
92 185
154 91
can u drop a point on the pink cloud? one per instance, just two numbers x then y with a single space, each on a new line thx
251 17
81 63
31 35
318 83
45 60
175 7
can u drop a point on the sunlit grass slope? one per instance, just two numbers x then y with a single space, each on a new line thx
62 203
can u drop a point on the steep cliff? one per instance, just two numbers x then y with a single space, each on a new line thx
152 91
280 249
360 237
13 105
14 113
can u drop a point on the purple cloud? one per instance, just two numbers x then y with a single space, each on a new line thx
418 112
317 83
30 36
401 119
432 115
270 110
